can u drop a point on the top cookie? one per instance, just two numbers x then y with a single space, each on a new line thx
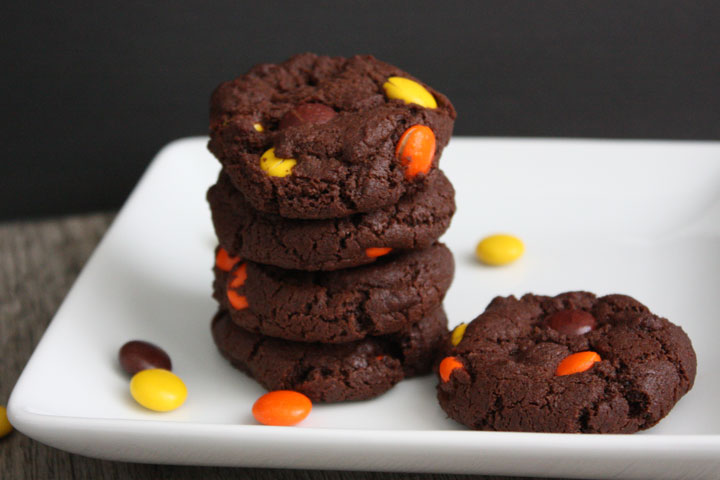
340 124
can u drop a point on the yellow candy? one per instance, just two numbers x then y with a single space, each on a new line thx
499 249
5 426
408 91
258 127
274 166
458 334
158 389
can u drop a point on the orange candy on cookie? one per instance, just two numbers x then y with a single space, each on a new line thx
281 408
577 363
447 366
224 261
416 150
374 252
239 276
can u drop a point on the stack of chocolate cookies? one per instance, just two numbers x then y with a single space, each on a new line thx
327 210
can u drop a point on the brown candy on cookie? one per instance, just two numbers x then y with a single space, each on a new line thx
307 114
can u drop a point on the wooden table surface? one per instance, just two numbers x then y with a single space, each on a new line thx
39 261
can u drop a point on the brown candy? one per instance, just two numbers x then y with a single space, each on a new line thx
138 355
307 113
571 322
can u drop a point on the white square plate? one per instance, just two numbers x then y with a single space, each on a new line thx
640 218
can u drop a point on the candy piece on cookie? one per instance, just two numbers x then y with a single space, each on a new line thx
409 91
447 366
577 363
416 150
572 322
237 279
457 334
374 252
307 114
224 261
275 166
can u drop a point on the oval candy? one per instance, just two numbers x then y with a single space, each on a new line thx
577 363
409 91
282 408
138 355
572 322
416 150
158 389
499 249
306 114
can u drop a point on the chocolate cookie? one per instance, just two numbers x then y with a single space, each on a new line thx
332 372
338 122
416 221
512 369
339 306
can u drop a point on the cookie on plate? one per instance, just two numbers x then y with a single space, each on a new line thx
416 221
332 372
339 306
320 137
571 363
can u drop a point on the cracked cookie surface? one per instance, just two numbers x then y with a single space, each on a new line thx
509 355
346 164
332 372
344 305
415 222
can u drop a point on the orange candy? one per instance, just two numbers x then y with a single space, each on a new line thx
576 363
447 366
224 261
281 408
416 150
238 302
374 252
239 276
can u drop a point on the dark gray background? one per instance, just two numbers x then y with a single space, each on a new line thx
90 93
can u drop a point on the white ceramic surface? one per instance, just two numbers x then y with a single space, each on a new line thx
641 218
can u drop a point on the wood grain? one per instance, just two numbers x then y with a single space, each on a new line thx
39 261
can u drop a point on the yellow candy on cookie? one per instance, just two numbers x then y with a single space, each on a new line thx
275 166
457 334
409 91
